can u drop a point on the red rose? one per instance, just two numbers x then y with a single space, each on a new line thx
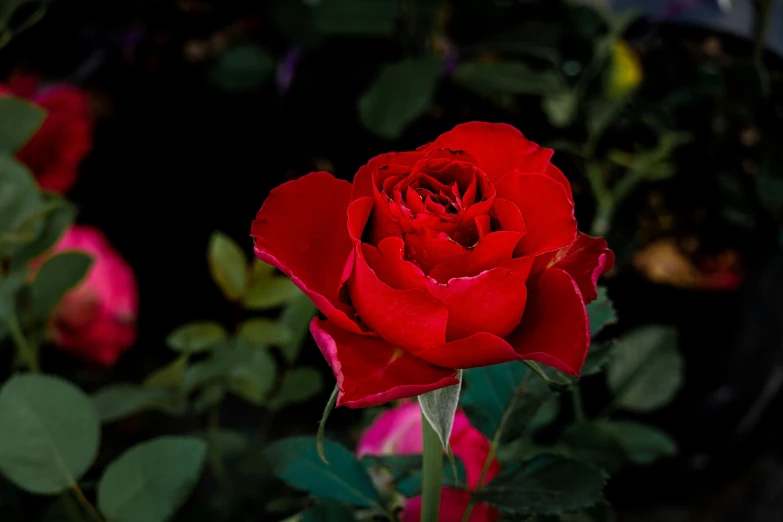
462 253
55 151
96 321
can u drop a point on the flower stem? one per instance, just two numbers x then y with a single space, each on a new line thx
432 463
23 347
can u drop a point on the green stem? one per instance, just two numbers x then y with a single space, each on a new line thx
86 504
576 397
432 463
24 348
215 454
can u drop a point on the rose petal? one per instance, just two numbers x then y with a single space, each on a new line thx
363 181
302 230
428 247
555 329
489 252
406 318
480 349
501 148
453 503
370 371
585 260
545 208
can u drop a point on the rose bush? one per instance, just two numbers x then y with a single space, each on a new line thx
96 320
398 432
462 253
55 151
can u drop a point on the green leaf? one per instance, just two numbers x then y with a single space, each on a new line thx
355 17
19 120
643 444
253 379
59 215
488 391
228 265
439 407
299 385
296 319
196 337
489 78
149 482
400 94
547 485
647 369
263 332
56 276
328 511
405 472
295 461
19 199
242 68
601 312
560 108
598 357
591 443
217 367
209 397
169 377
230 443
9 286
270 293
118 401
50 433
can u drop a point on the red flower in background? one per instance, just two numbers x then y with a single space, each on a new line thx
96 321
55 151
462 253
398 432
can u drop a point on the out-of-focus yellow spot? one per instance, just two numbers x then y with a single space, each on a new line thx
396 355
625 72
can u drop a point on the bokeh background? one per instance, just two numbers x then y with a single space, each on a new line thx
203 106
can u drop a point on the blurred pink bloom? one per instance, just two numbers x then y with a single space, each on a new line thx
55 151
96 321
398 432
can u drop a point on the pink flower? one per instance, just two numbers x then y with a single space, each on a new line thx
97 320
55 151
398 432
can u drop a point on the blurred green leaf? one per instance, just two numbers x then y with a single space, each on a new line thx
50 433
643 444
601 312
149 482
230 443
19 200
299 385
59 274
19 120
296 319
647 369
59 215
591 443
328 511
487 78
170 376
401 93
546 414
560 108
295 461
9 286
197 337
547 485
405 471
253 379
228 265
242 68
355 17
209 397
118 401
263 332
270 293
218 366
